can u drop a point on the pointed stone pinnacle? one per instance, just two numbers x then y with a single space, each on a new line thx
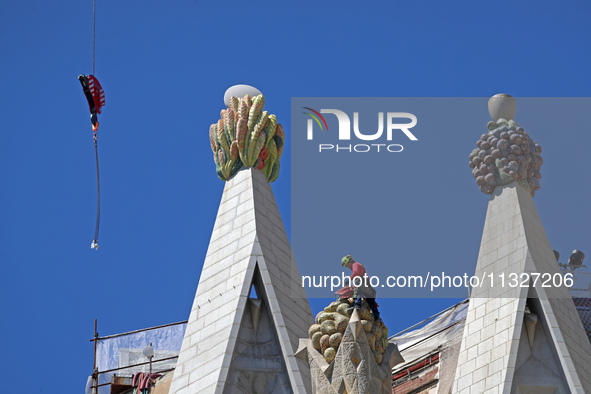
302 352
255 311
243 250
530 326
395 355
355 324
514 242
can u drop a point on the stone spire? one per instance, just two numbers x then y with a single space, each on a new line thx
520 336
235 342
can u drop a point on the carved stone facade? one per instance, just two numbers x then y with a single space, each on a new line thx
354 369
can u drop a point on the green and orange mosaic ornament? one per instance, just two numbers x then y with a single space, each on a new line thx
246 136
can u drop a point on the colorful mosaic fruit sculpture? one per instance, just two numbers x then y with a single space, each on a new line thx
504 155
326 334
246 136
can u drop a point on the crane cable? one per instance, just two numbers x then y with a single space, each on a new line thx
94 244
93 31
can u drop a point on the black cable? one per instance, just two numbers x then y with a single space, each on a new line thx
93 25
98 196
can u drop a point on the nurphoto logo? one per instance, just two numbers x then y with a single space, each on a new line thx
393 126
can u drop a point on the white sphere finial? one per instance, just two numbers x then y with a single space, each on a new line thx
240 91
501 106
148 351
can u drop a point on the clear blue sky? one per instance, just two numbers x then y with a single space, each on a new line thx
164 67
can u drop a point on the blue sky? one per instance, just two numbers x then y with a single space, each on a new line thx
164 67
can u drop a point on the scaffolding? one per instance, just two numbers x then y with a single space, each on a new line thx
120 355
